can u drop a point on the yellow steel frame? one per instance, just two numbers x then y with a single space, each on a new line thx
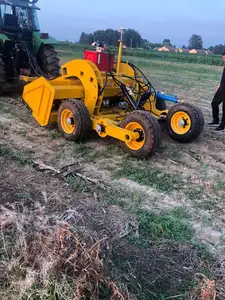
151 107
112 129
81 79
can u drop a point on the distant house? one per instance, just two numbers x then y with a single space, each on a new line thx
183 50
199 51
166 49
163 49
193 51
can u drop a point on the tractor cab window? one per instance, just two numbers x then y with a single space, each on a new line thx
22 15
6 9
27 18
23 18
8 18
34 19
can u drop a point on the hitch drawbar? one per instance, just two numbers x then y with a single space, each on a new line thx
169 98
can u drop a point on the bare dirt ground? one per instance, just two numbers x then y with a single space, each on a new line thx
183 184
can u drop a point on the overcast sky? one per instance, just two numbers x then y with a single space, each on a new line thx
155 20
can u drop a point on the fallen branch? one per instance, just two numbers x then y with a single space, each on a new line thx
43 167
94 181
175 297
173 162
40 166
65 167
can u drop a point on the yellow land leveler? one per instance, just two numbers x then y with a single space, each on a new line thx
113 98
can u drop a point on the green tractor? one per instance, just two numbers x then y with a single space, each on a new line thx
24 50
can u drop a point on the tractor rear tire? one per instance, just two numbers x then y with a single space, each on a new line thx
150 134
184 122
74 120
49 61
2 69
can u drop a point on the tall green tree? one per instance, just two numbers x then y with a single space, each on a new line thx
195 42
99 35
211 48
132 38
167 43
111 37
86 39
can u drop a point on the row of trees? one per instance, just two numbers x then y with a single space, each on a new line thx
133 39
196 42
218 49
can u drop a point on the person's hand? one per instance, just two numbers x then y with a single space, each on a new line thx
218 87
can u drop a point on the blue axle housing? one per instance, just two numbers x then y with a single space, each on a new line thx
169 98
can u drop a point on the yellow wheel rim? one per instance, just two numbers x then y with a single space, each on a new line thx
181 122
136 144
67 121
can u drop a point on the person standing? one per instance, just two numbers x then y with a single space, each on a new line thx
219 98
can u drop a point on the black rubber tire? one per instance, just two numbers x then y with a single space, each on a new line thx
202 119
197 122
48 61
159 131
2 69
152 133
81 119
160 104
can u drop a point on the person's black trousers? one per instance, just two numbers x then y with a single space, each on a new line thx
217 100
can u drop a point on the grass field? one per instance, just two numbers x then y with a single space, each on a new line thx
209 59
112 224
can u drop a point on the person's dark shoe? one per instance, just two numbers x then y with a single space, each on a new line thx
220 129
213 123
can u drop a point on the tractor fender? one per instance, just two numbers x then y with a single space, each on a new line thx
3 37
38 41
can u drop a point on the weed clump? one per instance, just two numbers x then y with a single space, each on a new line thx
42 258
